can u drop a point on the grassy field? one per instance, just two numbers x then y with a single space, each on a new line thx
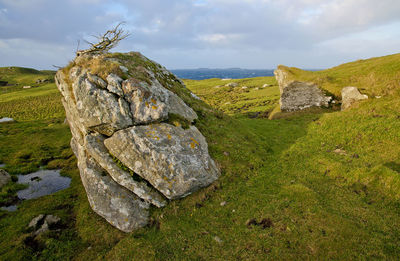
322 184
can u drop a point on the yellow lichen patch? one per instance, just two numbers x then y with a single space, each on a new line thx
195 141
147 104
156 137
193 145
177 123
126 220
140 99
153 101
154 107
169 136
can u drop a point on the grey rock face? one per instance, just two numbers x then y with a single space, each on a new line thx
300 95
124 161
116 204
4 177
153 103
351 95
282 77
95 147
175 161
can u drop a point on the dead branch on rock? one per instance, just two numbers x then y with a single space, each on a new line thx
106 41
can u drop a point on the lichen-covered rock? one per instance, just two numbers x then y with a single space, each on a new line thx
95 147
152 103
351 95
116 204
301 95
105 97
175 161
297 95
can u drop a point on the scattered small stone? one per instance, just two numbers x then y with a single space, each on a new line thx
219 240
123 68
266 85
233 211
52 220
232 84
195 96
256 89
36 221
226 153
226 79
4 177
244 87
218 86
378 97
340 151
26 87
223 203
43 223
6 119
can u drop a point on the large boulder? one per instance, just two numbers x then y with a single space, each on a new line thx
301 95
351 95
119 108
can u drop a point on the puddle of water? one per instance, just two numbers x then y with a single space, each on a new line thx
5 119
41 183
11 208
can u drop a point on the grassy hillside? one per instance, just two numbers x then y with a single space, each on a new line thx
17 77
326 184
375 77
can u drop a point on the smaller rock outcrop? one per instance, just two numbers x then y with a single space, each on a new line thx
301 95
297 95
350 95
4 178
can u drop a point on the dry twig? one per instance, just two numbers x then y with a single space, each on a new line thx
106 41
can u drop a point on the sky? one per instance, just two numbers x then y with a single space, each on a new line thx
185 34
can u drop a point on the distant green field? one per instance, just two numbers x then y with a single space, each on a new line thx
320 204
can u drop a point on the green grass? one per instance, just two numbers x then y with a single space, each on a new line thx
236 100
322 204
17 77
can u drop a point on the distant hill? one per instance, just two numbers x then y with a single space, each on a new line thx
16 77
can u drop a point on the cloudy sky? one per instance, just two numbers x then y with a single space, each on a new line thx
204 33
